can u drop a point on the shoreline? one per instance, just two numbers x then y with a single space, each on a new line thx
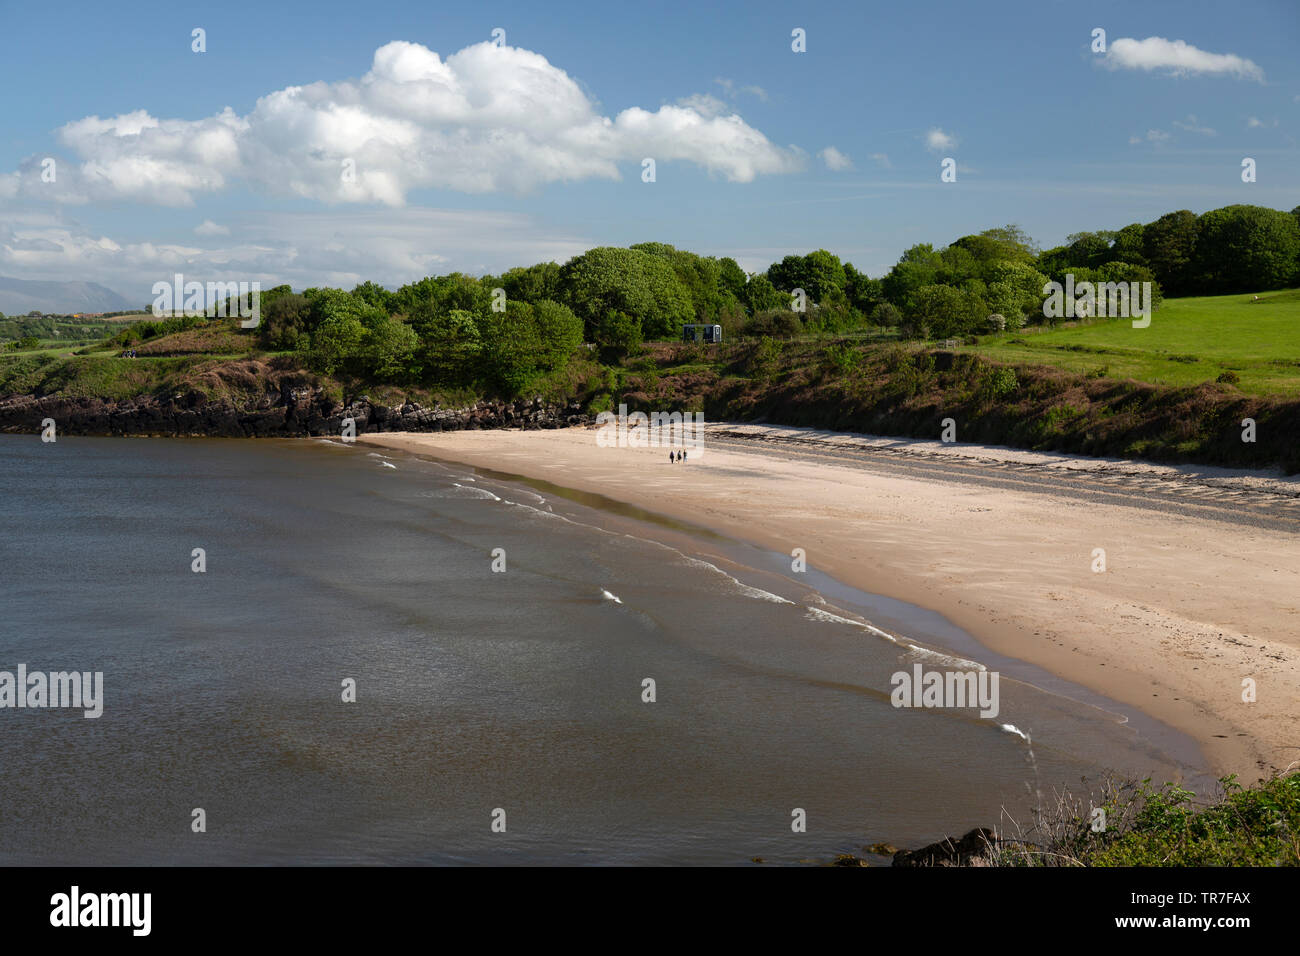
1158 631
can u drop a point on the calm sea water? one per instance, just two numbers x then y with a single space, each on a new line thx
475 690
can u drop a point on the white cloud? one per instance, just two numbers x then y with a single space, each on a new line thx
732 90
485 119
1192 125
1255 122
882 159
937 140
209 228
1179 58
340 248
835 161
1152 136
704 104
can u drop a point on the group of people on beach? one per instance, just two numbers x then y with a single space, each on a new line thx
677 456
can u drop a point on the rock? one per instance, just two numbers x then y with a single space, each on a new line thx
286 407
971 850
848 859
881 849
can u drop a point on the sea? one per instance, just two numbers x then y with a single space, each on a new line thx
313 652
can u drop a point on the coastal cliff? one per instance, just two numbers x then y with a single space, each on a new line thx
293 411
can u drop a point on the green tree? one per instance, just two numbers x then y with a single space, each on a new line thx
886 315
336 344
326 304
444 293
861 291
1169 244
941 311
732 278
917 268
1015 290
559 333
285 322
761 295
533 283
1244 248
267 298
374 294
1128 245
1015 243
699 275
450 347
819 274
957 266
388 351
617 335
512 346
1089 249
630 281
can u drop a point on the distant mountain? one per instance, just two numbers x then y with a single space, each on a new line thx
20 296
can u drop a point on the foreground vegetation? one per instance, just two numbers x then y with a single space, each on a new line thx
1161 826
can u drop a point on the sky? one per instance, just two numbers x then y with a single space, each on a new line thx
328 143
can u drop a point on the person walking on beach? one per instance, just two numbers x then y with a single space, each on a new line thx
671 457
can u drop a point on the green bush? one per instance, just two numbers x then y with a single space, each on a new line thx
1001 383
841 359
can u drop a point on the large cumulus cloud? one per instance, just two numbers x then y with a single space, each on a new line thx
485 119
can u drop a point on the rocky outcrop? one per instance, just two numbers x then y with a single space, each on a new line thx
292 412
971 850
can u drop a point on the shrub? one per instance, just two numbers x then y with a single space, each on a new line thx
774 323
840 358
1002 382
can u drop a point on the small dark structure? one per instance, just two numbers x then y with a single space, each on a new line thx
701 333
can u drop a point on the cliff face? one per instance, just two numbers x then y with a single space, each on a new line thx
294 412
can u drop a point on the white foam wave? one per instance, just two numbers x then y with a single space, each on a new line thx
610 597
826 617
757 593
476 492
460 491
946 658
548 513
1013 729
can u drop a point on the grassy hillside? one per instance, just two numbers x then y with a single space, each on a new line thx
1189 341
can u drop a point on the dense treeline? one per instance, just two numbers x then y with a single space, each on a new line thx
507 332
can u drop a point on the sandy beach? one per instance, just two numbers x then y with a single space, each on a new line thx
1201 587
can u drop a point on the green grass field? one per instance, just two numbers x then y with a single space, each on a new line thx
1189 341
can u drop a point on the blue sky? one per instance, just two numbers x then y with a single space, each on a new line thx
466 162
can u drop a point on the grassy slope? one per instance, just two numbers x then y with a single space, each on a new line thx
1189 341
